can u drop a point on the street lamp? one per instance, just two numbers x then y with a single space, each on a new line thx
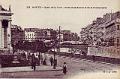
54 64
58 49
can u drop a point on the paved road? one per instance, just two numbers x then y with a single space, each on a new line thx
83 68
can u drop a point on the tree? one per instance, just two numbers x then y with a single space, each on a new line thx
40 46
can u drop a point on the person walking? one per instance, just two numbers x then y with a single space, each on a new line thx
51 60
41 58
93 57
44 62
45 59
33 63
64 68
55 62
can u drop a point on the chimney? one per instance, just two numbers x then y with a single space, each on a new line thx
0 7
10 8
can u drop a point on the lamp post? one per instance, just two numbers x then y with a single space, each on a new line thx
54 64
58 49
59 39
54 58
37 49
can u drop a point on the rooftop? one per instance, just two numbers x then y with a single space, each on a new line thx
5 12
2 9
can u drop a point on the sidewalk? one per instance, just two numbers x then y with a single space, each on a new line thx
28 68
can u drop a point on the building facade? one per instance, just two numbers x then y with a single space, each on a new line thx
46 34
103 35
5 31
67 35
17 34
32 34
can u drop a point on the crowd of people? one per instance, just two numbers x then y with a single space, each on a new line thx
37 58
42 59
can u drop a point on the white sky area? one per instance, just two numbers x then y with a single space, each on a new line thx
68 19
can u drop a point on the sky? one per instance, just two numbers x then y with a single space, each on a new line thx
68 18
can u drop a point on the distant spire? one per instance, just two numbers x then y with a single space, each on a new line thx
9 7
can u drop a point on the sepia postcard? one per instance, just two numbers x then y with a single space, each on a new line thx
60 39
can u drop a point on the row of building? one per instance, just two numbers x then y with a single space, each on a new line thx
12 34
103 33
33 34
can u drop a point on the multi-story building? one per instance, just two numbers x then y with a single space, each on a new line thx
46 34
86 34
112 33
32 34
104 34
17 34
96 32
5 32
67 35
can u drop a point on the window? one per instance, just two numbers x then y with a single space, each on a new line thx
4 23
118 41
118 27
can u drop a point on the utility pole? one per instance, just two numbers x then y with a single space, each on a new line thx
58 49
54 65
59 40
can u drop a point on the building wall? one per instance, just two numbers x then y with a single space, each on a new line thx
33 34
1 36
9 44
104 33
17 34
69 36
30 36
112 52
5 35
